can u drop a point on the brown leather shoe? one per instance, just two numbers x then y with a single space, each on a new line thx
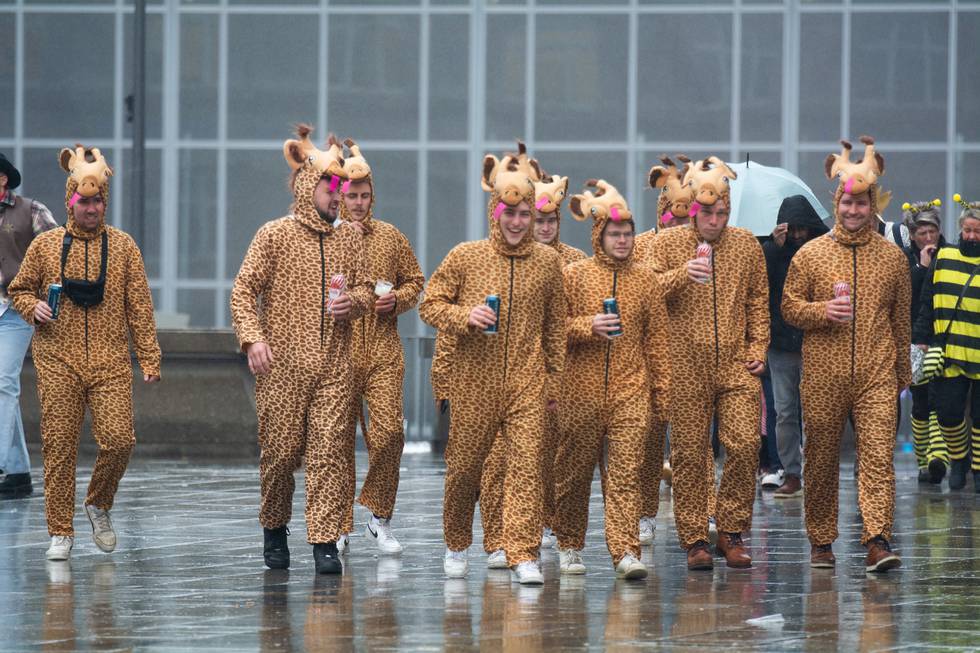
699 557
822 556
790 488
736 555
880 557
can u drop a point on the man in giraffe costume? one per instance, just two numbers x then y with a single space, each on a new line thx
82 353
311 281
717 298
849 291
497 379
378 357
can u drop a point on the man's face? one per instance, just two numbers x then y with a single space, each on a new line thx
797 235
514 222
545 227
925 235
617 240
88 212
358 199
711 220
854 211
327 202
971 230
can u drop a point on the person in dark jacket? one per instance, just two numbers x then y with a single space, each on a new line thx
796 224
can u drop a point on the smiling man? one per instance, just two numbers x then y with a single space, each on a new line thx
497 383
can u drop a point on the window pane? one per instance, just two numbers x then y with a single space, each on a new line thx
151 207
198 305
506 53
907 83
764 158
446 210
198 76
395 185
579 166
762 77
8 48
196 211
903 176
68 99
968 78
374 90
580 77
449 61
154 73
690 101
286 93
820 76
966 182
247 209
44 180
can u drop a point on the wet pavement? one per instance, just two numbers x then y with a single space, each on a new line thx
188 575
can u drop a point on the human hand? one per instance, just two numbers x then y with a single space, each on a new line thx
779 233
839 310
385 303
481 317
42 312
699 270
259 358
341 307
605 323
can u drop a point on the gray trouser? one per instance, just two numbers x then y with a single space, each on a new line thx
785 367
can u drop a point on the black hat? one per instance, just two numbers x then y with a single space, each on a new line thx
7 168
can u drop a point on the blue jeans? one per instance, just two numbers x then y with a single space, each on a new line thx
15 338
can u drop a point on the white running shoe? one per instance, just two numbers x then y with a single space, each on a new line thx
455 564
60 548
528 573
570 562
548 539
712 531
630 568
497 560
379 530
773 480
343 544
648 526
102 533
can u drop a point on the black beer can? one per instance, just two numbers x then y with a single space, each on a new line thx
611 307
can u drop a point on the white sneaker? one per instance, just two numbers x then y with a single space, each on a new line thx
630 568
648 526
60 548
102 533
528 573
548 539
343 544
712 531
497 560
455 564
570 562
773 480
379 530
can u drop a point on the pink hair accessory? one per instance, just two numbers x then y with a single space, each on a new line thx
345 187
334 182
74 198
849 185
695 207
614 213
666 217
499 210
541 202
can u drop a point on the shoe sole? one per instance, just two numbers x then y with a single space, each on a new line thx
57 557
646 541
632 574
701 567
573 571
529 581
822 565
455 575
786 495
498 565
279 565
371 536
331 570
891 562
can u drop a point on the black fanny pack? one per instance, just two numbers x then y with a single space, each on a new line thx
82 292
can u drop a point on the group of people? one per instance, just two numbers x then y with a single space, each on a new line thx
551 362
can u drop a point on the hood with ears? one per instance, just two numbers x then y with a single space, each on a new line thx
709 180
675 198
604 206
548 196
511 178
356 169
310 164
855 177
88 176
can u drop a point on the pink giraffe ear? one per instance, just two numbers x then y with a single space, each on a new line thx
498 210
334 182
695 207
666 217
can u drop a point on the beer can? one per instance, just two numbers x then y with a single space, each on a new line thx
703 250
54 299
493 301
338 284
842 289
611 307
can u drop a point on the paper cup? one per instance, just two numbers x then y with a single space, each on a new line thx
382 287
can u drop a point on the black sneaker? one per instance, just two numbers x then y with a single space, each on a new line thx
937 471
923 475
276 550
326 559
16 486
957 473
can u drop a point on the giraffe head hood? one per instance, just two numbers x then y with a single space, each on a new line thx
356 169
509 181
605 206
856 178
88 176
549 193
676 199
309 165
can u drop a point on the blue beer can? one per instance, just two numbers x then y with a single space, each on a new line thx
611 307
54 299
493 301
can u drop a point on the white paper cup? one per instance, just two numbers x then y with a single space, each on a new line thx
382 287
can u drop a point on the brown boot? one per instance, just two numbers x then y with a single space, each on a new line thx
736 555
880 557
822 556
699 556
790 488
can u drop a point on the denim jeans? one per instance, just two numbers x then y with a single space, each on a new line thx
785 368
15 338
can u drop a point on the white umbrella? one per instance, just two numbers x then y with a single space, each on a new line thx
759 190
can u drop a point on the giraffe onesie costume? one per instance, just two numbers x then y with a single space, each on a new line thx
378 356
496 382
851 370
719 326
548 193
304 403
612 382
82 357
